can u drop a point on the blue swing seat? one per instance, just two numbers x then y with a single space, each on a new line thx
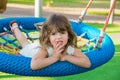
20 65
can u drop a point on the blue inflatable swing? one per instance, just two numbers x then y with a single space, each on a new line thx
20 65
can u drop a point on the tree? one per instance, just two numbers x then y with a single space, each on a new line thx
3 5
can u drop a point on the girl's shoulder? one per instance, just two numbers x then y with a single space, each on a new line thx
70 50
50 51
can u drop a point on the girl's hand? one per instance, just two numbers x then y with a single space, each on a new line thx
57 50
63 57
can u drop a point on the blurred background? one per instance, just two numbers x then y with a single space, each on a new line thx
71 8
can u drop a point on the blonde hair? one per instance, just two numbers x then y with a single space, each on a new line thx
60 23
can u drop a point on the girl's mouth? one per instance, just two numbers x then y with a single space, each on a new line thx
60 42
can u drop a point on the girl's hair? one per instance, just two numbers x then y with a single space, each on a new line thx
59 23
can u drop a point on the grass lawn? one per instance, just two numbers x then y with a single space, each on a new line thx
108 71
111 28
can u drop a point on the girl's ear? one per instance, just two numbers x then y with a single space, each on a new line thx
39 25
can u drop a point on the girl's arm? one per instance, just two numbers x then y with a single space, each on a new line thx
79 59
41 60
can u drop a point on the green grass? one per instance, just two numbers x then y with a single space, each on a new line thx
108 71
28 2
111 28
101 13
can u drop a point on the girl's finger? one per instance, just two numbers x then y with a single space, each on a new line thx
60 50
57 45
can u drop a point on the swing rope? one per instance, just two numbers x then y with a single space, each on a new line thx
101 36
98 44
87 43
15 48
83 13
9 42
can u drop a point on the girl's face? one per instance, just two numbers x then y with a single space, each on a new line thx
60 38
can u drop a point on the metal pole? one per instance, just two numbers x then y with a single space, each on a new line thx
38 8
112 14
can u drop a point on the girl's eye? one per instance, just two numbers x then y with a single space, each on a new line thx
63 32
53 33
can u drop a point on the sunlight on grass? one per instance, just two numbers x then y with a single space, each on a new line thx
111 28
28 2
101 13
5 76
117 45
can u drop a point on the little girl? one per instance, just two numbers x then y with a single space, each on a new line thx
57 43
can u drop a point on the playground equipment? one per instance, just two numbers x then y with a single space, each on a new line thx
20 65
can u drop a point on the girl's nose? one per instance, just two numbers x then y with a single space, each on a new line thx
59 35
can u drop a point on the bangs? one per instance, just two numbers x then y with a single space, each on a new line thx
57 28
58 23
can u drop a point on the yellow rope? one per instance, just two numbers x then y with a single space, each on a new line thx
9 51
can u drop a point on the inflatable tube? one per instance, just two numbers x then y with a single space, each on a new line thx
20 65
